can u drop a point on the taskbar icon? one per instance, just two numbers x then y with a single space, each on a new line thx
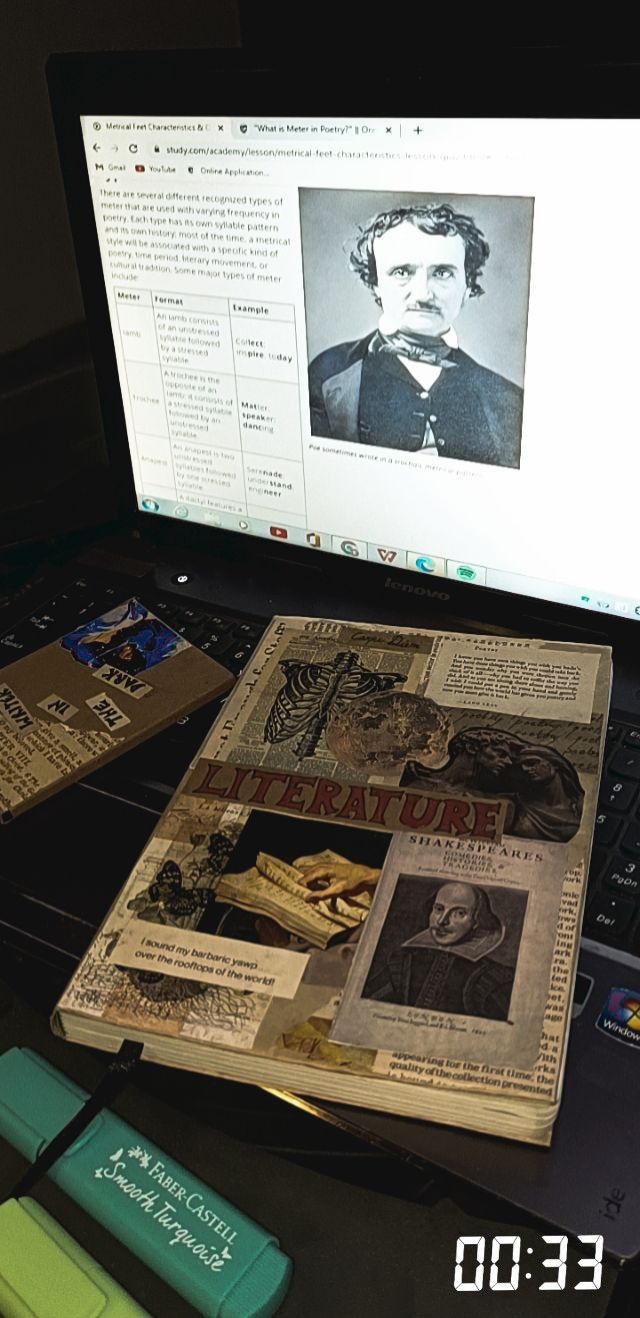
385 554
430 564
471 572
352 548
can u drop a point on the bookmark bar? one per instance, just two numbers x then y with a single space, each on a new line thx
206 1249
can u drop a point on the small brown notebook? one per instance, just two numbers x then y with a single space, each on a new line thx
91 695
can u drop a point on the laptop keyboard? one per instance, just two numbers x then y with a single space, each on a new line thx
613 909
147 775
229 639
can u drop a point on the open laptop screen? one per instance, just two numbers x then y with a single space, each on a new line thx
411 341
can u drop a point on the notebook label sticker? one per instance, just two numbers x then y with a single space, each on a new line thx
14 712
211 959
133 686
59 708
108 713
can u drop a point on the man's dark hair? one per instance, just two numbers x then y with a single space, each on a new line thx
433 217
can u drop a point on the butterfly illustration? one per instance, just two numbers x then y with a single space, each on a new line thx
312 691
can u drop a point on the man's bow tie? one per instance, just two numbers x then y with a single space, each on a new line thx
415 347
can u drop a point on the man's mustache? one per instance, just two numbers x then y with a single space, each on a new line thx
424 306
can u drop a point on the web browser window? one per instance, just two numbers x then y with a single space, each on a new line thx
412 341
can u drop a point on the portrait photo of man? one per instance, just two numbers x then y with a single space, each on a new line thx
407 383
461 955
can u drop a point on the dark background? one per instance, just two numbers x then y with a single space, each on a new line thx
40 289
288 838
55 476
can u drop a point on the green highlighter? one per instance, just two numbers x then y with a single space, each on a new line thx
224 1264
44 1273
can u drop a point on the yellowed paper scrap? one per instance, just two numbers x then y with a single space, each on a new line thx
214 960
529 681
44 752
107 711
226 1016
59 708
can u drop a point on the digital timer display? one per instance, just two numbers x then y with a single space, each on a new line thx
506 1269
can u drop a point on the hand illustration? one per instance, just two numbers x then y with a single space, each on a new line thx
338 880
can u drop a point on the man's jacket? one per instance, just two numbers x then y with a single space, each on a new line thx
368 397
443 981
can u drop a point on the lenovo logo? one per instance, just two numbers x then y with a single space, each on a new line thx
390 584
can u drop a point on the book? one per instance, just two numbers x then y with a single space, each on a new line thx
368 887
91 695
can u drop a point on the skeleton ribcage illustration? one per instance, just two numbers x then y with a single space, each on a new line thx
312 691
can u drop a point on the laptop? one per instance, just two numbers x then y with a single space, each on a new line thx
362 360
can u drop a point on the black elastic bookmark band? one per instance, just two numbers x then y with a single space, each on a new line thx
112 1083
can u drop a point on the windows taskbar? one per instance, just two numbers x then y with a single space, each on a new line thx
428 564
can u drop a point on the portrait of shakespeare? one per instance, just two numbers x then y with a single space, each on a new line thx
407 385
448 965
543 791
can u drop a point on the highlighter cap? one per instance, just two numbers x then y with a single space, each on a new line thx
262 1288
36 1101
44 1272
225 1264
